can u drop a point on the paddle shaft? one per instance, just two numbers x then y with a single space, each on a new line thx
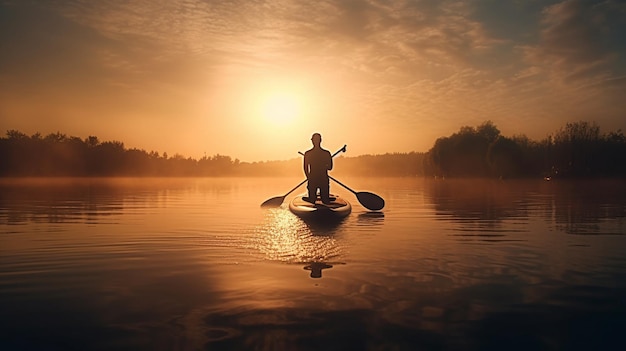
369 200
304 181
340 183
296 187
343 185
343 149
276 201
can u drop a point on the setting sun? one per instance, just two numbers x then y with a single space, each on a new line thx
287 174
280 108
253 80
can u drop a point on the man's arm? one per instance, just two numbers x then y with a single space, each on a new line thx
305 165
330 161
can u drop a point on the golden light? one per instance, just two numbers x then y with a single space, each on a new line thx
275 113
285 237
280 108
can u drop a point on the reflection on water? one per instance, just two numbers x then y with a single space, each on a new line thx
287 238
195 264
372 218
584 207
316 268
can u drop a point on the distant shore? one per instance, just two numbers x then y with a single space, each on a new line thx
577 150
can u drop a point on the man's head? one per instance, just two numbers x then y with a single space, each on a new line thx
316 139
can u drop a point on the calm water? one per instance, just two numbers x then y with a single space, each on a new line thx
195 264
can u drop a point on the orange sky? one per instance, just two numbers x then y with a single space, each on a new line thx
253 79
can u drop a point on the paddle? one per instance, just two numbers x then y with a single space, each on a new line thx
278 200
368 200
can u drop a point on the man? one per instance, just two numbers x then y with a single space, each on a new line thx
317 163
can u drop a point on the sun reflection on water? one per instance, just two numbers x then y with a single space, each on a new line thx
285 237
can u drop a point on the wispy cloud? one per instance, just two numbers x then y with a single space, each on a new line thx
581 39
449 62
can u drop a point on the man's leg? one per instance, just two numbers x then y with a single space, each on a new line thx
325 192
312 192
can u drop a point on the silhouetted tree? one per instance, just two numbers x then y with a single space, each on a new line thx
488 131
578 149
574 147
612 154
463 153
92 141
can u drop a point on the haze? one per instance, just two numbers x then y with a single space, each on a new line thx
254 79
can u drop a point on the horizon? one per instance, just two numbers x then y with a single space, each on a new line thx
583 131
253 80
170 155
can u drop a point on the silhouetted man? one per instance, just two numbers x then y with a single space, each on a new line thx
316 268
317 163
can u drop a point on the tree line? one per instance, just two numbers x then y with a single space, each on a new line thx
576 150
57 154
60 155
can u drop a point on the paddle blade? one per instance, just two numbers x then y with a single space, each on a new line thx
273 202
370 201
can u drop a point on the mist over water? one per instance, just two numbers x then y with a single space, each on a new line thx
187 264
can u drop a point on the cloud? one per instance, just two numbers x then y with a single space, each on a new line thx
360 35
581 39
400 63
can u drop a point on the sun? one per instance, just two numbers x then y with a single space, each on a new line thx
280 108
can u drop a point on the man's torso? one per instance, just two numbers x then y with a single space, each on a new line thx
319 160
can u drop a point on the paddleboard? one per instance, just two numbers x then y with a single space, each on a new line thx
337 208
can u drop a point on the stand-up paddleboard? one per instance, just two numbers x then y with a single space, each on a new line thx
337 208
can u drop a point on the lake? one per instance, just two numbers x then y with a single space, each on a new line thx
196 264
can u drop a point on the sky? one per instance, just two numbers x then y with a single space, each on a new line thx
254 79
